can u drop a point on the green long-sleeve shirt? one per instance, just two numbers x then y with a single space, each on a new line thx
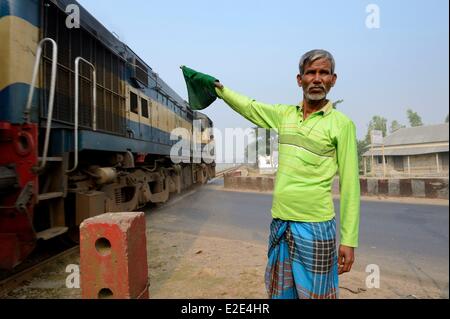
310 153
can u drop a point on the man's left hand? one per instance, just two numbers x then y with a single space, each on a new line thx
346 258
217 84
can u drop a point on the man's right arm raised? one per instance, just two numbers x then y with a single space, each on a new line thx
261 114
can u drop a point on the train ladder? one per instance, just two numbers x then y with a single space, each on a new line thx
57 206
57 222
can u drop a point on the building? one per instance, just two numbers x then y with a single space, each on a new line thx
268 164
410 152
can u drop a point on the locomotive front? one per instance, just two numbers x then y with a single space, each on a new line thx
85 127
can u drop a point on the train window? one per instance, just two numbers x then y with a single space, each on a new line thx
134 103
144 108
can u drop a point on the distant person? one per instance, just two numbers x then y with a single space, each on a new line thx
315 142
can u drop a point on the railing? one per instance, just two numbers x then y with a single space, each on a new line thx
51 100
94 104
414 171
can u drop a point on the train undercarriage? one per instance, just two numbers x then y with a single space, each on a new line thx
116 183
103 182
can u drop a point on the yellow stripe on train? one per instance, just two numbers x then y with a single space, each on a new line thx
17 56
160 116
17 51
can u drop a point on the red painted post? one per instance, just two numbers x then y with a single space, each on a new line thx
113 257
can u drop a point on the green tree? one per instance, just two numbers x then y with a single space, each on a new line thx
414 118
362 147
376 123
395 126
446 119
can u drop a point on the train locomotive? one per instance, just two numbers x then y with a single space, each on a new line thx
85 127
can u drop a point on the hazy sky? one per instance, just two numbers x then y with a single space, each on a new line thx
253 47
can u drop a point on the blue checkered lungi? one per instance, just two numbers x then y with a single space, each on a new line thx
302 260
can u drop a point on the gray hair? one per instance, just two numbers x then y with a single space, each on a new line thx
314 55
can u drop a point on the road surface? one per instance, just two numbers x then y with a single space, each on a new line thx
408 242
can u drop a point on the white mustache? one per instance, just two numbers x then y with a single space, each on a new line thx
316 87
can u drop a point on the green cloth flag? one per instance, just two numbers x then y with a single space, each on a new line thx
201 88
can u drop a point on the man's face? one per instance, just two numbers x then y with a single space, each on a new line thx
317 80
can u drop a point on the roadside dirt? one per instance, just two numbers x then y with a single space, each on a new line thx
209 267
196 266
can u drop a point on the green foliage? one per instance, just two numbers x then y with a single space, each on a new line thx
362 146
414 118
376 123
395 126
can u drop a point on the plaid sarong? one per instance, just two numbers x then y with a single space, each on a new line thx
302 260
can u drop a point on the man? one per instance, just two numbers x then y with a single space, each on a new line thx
315 142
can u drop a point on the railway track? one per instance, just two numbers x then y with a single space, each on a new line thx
15 278
10 280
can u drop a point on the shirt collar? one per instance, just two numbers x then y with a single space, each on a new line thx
325 110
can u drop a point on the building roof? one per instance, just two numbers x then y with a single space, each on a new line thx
407 151
410 139
418 135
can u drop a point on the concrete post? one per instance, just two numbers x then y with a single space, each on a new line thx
365 166
409 167
113 257
437 163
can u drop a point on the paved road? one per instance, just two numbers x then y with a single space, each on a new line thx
410 241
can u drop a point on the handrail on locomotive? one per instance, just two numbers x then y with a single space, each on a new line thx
51 97
94 102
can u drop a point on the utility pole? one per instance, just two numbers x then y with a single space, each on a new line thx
377 138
